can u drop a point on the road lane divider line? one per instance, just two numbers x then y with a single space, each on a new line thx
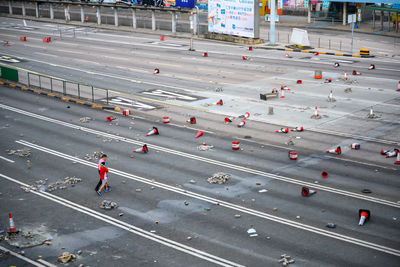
208 160
129 227
21 257
221 203
6 159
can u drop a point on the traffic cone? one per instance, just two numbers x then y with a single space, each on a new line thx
337 150
299 81
235 145
356 72
12 225
306 192
364 216
355 146
228 120
6 43
316 54
297 129
126 112
156 71
205 54
372 67
241 124
246 115
383 152
324 174
142 149
393 153
162 38
316 115
245 58
398 159
329 80
282 93
282 130
336 65
293 155
154 131
284 87
192 120
345 75
371 111
110 118
22 39
199 133
220 102
398 87
330 97
166 120
287 55
250 48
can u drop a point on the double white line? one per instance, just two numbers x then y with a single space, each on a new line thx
225 204
130 228
208 160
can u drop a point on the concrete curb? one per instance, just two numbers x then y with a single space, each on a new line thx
58 96
313 52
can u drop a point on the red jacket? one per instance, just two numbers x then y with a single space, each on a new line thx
103 171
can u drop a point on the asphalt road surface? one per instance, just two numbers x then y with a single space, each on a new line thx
168 219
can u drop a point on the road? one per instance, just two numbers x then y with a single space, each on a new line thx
169 220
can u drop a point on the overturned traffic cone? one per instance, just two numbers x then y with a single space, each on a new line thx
282 93
126 112
316 54
246 115
355 146
22 39
393 153
250 48
398 159
154 131
345 75
329 80
12 225
297 129
364 216
245 58
372 67
205 54
220 102
162 38
156 71
324 174
192 120
383 152
336 65
306 192
142 149
109 118
337 150
299 81
199 133
398 87
228 120
356 72
241 124
282 130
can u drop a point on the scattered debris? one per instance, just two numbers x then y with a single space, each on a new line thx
270 111
348 90
262 191
237 216
252 232
186 203
275 209
189 238
285 260
26 240
41 185
66 257
85 119
106 204
79 252
28 164
290 143
192 181
204 147
331 225
138 190
96 156
218 178
121 214
366 191
23 153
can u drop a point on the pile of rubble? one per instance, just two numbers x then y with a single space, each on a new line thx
85 119
25 240
66 257
285 260
96 156
218 178
107 205
23 153
41 185
204 147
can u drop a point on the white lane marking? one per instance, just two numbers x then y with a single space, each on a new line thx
21 257
221 202
129 227
362 163
191 128
208 160
6 159
46 263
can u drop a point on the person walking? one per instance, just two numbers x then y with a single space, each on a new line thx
103 172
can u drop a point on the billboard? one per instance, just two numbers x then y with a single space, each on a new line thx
180 3
233 17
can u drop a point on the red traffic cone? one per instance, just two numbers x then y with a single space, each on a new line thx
355 146
398 87
293 155
162 38
324 174
383 152
372 67
282 93
337 150
299 81
220 102
154 131
110 118
241 124
336 65
364 216
345 75
192 120
205 54
393 153
246 115
142 149
228 120
156 71
199 133
22 39
297 129
306 192
245 58
287 55
398 159
12 225
356 72
282 130
235 145
126 112
250 48
316 53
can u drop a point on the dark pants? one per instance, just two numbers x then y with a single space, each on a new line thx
98 184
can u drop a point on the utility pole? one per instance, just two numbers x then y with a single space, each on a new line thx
272 24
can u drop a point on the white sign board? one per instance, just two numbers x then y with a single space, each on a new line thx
351 18
233 17
299 37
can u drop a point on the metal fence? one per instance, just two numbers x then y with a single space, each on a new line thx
62 86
